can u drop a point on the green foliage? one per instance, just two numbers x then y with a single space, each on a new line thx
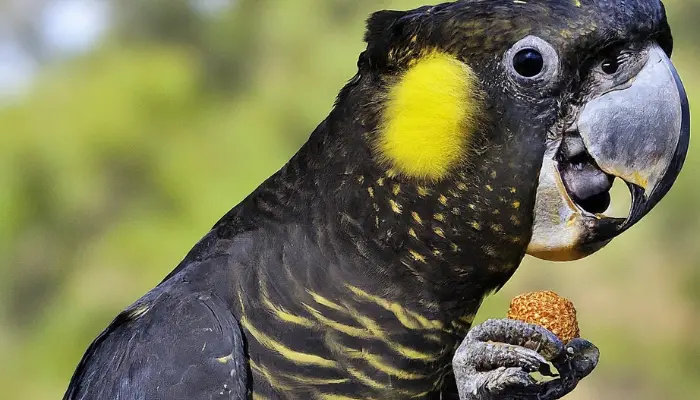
116 163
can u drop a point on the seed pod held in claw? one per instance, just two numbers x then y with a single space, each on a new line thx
546 309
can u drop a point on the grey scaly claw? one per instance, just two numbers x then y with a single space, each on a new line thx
578 361
496 359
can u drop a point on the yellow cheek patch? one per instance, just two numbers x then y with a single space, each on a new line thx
429 117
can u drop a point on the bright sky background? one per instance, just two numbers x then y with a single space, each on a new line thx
16 69
67 27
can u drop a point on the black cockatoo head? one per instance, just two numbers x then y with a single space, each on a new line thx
514 117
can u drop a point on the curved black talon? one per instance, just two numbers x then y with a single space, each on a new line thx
577 362
496 359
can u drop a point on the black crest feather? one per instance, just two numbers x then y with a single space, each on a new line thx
383 29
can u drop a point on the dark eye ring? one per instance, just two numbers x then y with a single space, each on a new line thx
528 62
531 61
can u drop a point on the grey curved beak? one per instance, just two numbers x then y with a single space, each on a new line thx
639 132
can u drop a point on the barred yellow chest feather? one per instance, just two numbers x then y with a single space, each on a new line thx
357 346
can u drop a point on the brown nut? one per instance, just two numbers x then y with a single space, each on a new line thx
548 310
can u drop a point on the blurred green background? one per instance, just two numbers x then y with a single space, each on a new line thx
129 127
